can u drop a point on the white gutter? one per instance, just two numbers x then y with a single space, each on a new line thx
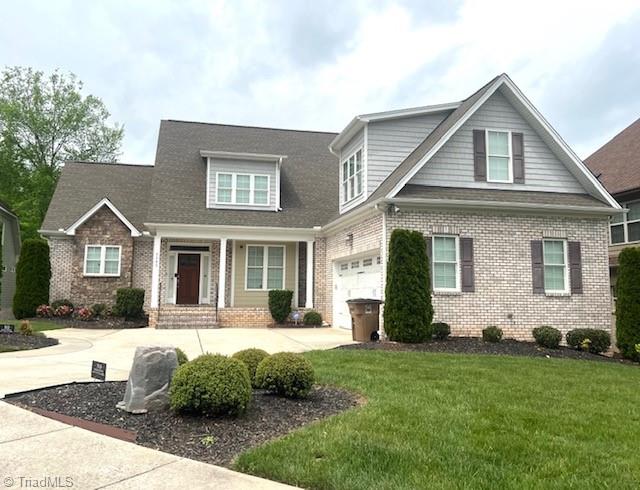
266 157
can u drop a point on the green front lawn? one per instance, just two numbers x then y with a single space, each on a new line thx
37 325
457 421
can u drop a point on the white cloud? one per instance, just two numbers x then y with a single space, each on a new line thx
311 65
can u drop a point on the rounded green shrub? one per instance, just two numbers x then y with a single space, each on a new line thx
589 339
492 334
211 385
129 303
280 304
408 311
547 336
440 330
251 358
33 273
286 374
182 357
628 302
312 317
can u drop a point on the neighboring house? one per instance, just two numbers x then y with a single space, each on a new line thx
516 225
617 166
9 250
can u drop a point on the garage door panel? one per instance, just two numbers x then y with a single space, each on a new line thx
354 278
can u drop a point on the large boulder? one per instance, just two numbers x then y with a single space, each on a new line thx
149 379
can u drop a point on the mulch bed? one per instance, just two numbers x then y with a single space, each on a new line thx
16 341
473 345
187 436
109 322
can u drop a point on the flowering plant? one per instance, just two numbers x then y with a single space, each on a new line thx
44 311
84 314
63 311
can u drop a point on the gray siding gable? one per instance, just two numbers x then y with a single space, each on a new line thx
452 165
242 167
390 142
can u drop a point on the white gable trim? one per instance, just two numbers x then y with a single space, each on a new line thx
505 80
103 202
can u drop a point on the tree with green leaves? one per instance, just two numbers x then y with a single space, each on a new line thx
44 121
33 274
628 302
408 311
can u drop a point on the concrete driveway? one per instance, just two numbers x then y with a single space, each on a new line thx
71 359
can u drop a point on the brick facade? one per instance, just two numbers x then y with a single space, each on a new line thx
503 276
244 317
61 252
141 275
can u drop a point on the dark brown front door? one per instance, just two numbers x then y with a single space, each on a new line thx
188 279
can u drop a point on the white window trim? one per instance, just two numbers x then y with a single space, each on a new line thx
265 266
625 225
234 187
344 201
457 289
565 250
103 252
486 139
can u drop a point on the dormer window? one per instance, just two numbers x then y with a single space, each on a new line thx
499 168
352 177
233 188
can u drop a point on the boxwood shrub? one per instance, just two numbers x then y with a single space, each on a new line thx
589 339
182 357
129 303
251 358
280 304
440 330
211 385
547 336
286 374
312 317
492 334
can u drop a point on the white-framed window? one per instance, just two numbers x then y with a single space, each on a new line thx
625 227
445 263
265 267
102 260
556 272
352 177
234 188
499 167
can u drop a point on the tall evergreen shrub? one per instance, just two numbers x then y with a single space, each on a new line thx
628 302
33 274
408 311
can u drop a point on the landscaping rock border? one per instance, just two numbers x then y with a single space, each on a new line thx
16 341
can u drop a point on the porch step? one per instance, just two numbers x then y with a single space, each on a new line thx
187 317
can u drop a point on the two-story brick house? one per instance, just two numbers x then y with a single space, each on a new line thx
516 225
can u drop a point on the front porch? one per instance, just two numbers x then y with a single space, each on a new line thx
200 282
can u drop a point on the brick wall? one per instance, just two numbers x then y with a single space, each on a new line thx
103 228
244 317
503 277
142 260
367 237
61 253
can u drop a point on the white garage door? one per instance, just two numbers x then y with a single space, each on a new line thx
354 278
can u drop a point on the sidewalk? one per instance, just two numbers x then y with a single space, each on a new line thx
38 452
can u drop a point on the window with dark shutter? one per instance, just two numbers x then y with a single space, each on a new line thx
537 266
575 267
517 150
466 264
479 155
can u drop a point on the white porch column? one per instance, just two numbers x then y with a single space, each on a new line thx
309 288
222 272
155 272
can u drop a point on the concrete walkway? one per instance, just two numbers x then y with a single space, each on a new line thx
36 448
71 359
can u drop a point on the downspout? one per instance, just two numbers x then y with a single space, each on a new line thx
278 167
383 260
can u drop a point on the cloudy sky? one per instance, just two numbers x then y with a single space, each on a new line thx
315 64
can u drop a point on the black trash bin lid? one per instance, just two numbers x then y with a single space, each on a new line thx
364 300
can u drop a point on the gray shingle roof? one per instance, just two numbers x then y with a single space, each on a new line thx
82 185
492 195
309 175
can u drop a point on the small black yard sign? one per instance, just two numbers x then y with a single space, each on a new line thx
7 328
99 370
